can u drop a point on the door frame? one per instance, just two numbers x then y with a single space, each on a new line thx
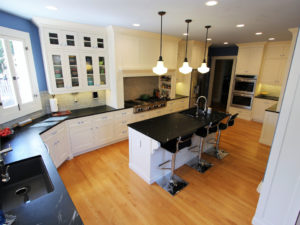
212 76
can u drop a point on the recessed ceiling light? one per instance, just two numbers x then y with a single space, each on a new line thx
258 33
51 7
271 39
240 25
211 3
136 25
209 39
185 34
225 43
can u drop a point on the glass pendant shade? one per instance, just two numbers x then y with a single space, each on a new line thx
160 69
185 69
203 68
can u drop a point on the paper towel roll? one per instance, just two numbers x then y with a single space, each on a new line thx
53 104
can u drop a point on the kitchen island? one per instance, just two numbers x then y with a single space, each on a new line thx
147 137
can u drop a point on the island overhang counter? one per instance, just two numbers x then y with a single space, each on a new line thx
146 138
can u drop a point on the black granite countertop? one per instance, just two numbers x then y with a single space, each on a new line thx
268 97
273 108
168 127
55 207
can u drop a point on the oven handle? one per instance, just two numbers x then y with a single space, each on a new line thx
243 95
245 79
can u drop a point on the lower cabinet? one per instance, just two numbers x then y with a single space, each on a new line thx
77 136
259 107
81 134
268 129
243 113
57 142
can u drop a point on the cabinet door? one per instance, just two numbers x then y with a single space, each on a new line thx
103 128
90 41
74 71
249 60
57 72
57 143
70 39
95 73
271 71
53 38
81 135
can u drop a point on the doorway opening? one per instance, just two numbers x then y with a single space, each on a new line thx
220 83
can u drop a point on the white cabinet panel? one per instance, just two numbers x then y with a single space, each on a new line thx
243 113
103 128
249 60
81 135
259 108
57 142
268 129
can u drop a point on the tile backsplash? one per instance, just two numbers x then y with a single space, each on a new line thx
65 102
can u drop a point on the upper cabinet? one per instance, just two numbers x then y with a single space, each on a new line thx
75 59
274 63
138 50
249 58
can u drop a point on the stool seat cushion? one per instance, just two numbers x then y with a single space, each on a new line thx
171 145
222 126
202 132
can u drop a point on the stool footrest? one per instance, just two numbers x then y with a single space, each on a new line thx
172 184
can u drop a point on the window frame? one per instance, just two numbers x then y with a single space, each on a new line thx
27 108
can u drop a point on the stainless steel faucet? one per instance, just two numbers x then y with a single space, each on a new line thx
4 168
205 105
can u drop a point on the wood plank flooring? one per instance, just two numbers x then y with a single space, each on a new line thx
105 191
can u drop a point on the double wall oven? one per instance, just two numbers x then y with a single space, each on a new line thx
243 91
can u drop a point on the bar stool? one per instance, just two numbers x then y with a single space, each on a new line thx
171 182
198 163
216 151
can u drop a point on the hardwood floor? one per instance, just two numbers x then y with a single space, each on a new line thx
105 191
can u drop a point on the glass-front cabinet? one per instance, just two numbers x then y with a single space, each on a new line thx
95 71
59 39
65 72
90 41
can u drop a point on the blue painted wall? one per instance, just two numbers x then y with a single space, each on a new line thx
18 23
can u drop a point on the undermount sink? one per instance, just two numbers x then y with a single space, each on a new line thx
29 180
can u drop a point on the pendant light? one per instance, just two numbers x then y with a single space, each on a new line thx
185 69
203 68
160 69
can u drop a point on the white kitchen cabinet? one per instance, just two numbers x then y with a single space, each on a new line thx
81 135
102 128
140 50
95 70
181 104
64 71
57 141
268 129
61 39
249 59
243 113
274 63
58 39
122 118
259 107
92 41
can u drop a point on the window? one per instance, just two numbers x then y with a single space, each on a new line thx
19 93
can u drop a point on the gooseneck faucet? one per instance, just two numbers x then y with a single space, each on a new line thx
204 110
4 168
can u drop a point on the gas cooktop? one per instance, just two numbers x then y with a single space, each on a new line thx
145 105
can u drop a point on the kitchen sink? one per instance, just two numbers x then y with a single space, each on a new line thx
29 180
190 112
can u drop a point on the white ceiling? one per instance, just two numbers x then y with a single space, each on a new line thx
272 17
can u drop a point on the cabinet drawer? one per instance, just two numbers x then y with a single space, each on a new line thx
53 131
79 122
104 118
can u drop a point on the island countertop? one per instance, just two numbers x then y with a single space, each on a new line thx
168 127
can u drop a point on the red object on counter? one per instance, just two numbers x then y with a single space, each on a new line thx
5 132
62 113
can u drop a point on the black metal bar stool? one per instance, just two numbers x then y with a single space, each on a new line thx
216 151
171 182
198 163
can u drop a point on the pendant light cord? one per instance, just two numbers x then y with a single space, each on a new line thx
205 43
160 34
187 39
